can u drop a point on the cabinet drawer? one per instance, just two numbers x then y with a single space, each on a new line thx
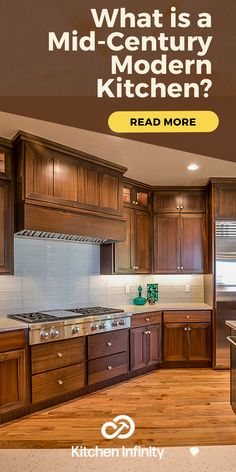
57 382
145 319
58 354
107 367
105 344
11 340
187 316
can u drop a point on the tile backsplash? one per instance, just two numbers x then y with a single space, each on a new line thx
56 274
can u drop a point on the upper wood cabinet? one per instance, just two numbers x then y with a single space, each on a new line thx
224 199
136 196
179 200
56 175
6 209
179 243
133 256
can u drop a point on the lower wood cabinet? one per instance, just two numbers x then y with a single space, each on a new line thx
108 355
187 341
57 368
57 382
13 371
145 346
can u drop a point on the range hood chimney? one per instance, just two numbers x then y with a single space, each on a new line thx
63 194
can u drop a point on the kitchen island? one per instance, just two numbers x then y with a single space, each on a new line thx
232 341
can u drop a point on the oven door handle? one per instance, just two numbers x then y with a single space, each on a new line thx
232 340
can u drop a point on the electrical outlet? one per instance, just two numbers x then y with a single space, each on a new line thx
127 289
187 288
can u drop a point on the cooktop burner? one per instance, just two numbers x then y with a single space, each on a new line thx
35 317
95 310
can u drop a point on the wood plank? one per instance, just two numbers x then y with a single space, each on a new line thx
170 408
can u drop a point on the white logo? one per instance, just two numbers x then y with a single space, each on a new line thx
119 423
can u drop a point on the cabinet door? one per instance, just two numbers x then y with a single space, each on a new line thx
166 244
175 342
225 201
193 241
199 341
153 344
110 193
193 201
6 227
12 380
166 201
124 252
138 348
142 242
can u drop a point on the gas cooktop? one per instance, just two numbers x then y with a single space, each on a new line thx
55 315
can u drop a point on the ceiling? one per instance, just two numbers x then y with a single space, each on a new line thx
154 165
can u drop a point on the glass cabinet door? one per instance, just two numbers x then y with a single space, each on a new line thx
142 199
2 162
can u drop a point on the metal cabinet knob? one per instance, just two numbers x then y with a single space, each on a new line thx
185 328
109 344
147 332
133 202
59 354
178 267
147 319
189 329
181 207
136 203
109 367
177 208
181 268
187 316
60 382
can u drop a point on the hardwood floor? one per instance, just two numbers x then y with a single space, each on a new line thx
183 407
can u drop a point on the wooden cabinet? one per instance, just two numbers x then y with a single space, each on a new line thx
133 256
180 200
136 195
187 341
224 198
13 371
179 243
57 368
145 340
108 356
6 210
61 176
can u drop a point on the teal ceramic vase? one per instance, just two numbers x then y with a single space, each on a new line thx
140 300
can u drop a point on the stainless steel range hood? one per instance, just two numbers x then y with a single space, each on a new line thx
30 234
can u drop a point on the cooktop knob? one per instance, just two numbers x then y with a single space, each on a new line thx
75 330
44 334
102 326
54 333
94 327
122 322
115 323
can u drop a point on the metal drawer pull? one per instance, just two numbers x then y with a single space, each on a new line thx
109 367
60 382
59 354
232 340
147 319
109 344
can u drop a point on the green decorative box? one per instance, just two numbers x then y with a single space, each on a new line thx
152 293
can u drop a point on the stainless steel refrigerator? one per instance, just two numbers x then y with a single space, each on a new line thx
225 283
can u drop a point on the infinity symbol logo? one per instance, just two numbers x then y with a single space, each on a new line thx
120 423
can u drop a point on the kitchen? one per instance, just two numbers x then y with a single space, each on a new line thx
87 234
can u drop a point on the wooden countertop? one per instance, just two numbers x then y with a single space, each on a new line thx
7 324
165 307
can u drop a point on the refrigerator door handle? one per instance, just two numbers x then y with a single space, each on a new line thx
232 340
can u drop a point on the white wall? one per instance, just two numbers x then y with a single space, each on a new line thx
56 274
